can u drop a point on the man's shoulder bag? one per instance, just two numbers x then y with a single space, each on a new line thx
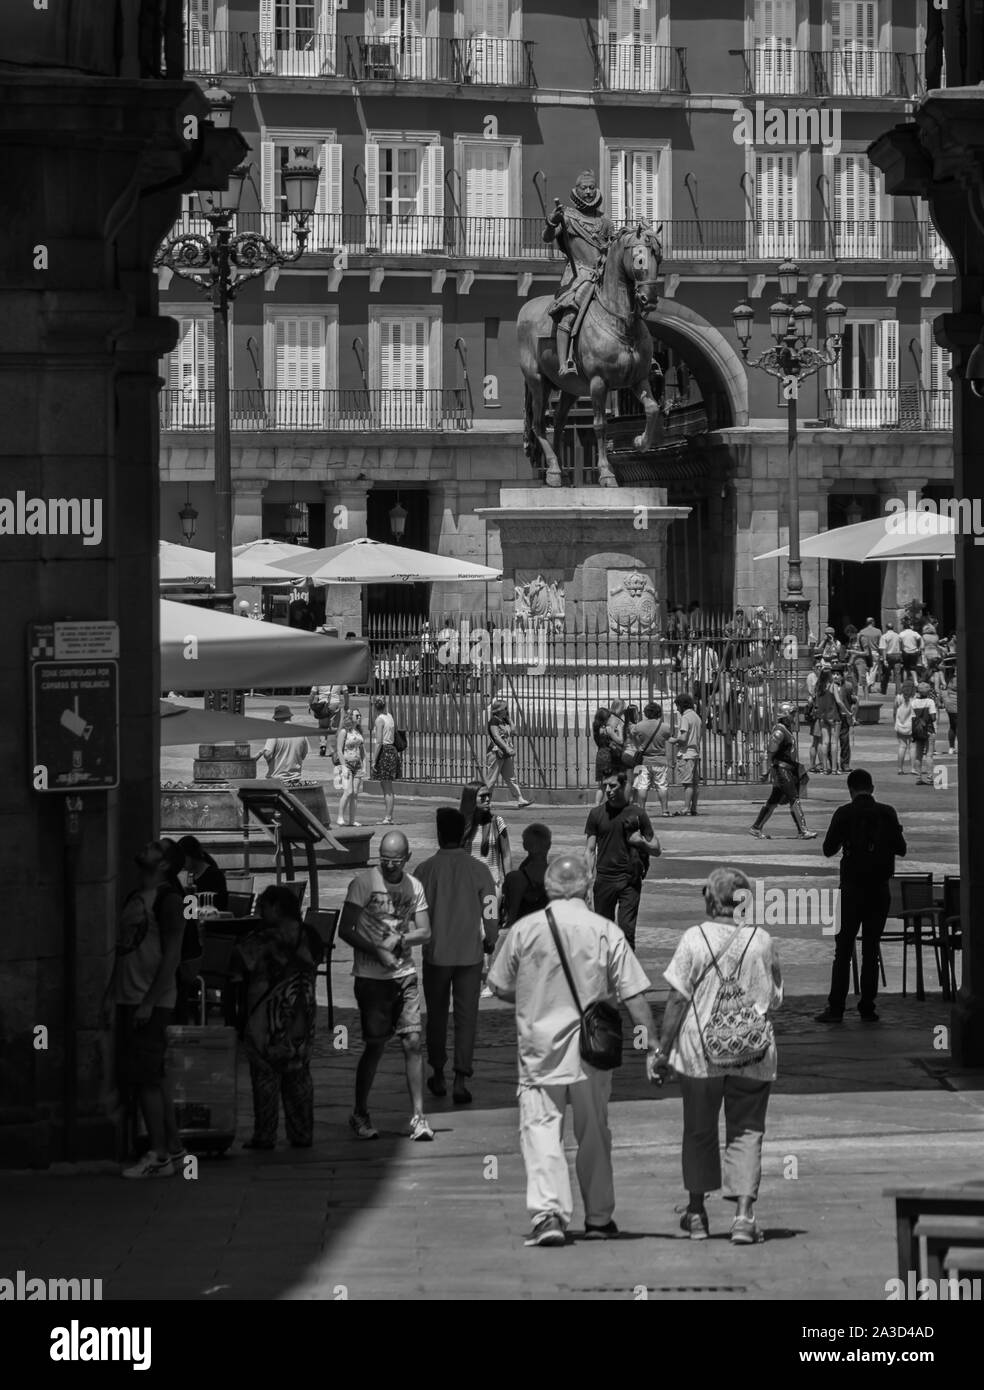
632 756
601 1023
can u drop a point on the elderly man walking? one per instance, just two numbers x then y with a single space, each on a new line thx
552 1072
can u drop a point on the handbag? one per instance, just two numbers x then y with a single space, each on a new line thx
600 1038
737 1035
400 740
632 757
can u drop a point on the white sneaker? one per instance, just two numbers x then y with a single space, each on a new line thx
150 1166
420 1129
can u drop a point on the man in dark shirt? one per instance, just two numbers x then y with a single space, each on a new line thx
620 842
869 835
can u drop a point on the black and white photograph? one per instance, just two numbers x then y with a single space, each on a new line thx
582 401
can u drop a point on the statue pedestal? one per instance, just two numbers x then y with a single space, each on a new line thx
588 555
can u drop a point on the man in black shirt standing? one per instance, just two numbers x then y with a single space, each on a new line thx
869 835
620 843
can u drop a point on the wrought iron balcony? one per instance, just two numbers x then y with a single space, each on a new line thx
466 61
639 67
345 411
848 72
454 236
906 407
274 53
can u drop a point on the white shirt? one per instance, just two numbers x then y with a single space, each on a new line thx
547 1021
910 640
690 961
386 908
889 642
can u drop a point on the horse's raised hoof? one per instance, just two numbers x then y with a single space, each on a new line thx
606 478
553 477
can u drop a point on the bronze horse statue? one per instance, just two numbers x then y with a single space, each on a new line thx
614 350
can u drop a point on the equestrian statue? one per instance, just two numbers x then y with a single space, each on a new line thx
592 338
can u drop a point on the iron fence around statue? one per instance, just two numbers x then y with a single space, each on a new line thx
440 680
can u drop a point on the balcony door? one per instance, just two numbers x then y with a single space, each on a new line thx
857 209
297 38
776 197
403 347
488 31
206 42
775 59
487 183
297 349
189 374
854 37
937 364
634 186
636 37
396 40
405 197
326 225
867 375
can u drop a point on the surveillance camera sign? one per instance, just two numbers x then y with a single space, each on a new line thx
75 708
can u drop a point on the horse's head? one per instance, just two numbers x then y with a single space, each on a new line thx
641 256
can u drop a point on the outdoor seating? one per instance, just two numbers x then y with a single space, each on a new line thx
913 901
939 1235
951 932
915 1203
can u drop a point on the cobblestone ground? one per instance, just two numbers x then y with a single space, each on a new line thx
855 1110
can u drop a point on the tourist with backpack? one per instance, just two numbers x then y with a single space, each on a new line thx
716 1037
143 989
868 835
924 717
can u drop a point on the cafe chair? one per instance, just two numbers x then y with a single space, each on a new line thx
325 923
914 903
951 932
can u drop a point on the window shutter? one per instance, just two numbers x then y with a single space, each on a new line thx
326 36
888 354
268 183
617 161
266 37
644 184
432 182
372 179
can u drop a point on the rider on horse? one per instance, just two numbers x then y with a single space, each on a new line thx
582 231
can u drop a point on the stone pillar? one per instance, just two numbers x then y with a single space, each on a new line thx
78 382
346 508
247 525
940 157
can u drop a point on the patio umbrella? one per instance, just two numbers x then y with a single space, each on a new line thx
182 566
269 552
181 724
364 561
202 649
911 535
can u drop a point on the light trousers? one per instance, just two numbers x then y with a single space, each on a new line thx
541 1137
745 1103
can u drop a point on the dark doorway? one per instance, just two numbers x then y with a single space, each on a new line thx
398 600
854 591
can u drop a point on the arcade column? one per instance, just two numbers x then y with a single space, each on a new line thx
346 519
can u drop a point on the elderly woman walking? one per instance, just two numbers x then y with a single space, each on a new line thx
724 978
278 964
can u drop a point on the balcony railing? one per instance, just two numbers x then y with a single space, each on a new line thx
477 61
907 407
853 72
447 408
640 67
521 238
274 53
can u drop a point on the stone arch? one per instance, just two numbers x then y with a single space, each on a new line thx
716 364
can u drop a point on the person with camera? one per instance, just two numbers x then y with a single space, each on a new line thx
564 968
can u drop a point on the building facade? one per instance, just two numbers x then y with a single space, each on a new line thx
382 367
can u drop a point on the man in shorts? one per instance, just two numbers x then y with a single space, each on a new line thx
384 917
689 732
649 737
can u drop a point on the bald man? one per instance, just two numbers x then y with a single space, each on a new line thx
384 917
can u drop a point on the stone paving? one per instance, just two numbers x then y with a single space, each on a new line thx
854 1111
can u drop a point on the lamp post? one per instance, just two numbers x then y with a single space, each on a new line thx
792 361
220 263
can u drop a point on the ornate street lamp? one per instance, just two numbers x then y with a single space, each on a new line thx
792 360
220 264
189 518
398 521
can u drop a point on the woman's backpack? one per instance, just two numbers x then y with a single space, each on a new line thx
737 1035
400 740
922 724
